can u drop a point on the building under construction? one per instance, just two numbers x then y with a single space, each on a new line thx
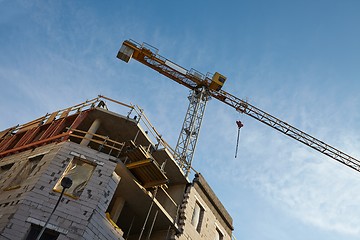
126 183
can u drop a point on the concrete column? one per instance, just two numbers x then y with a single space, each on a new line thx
89 135
117 208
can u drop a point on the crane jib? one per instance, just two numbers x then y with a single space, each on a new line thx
212 84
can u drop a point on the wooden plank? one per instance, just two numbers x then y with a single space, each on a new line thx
138 164
52 117
65 113
6 131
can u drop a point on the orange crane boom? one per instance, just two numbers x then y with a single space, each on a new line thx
195 80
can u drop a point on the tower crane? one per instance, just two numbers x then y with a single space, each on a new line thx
203 87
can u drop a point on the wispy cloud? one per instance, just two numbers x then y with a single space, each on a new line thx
58 54
306 184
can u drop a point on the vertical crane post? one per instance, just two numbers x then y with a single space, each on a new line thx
189 134
200 86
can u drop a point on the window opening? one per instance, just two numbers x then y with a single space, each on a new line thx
219 235
197 216
25 172
5 168
80 172
47 235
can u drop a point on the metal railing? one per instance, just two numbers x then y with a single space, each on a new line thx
103 142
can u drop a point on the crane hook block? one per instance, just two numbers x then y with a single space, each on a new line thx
217 81
239 124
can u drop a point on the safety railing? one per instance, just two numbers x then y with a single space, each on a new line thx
100 142
143 120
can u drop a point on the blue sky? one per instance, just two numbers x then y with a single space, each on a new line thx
297 60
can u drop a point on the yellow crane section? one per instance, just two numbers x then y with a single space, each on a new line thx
211 85
148 56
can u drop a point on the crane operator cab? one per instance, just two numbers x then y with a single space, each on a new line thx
217 81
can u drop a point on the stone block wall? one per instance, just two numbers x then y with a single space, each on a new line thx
33 201
209 225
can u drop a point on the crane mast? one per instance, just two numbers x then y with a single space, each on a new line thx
205 86
185 147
